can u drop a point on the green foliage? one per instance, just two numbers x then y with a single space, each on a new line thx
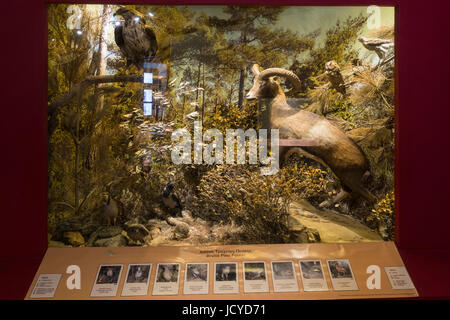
339 45
343 110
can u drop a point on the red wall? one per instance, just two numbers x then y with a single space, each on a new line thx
423 115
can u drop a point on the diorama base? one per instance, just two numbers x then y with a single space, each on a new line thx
373 271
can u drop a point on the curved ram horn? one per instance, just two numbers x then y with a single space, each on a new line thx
272 72
255 69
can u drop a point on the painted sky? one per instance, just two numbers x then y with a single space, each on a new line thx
301 19
306 19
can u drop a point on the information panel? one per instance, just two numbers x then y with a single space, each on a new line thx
261 272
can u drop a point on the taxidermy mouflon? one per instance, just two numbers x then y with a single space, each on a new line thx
169 198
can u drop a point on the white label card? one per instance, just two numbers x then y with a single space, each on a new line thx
196 278
255 277
342 277
313 278
226 277
45 286
136 282
167 279
399 278
107 280
284 277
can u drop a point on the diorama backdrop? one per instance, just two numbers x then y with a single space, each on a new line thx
122 80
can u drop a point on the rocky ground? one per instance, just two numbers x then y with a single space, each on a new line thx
308 223
331 225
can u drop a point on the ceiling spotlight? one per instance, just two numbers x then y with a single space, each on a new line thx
136 18
150 14
79 32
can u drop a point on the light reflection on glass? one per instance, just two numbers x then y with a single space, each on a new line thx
148 108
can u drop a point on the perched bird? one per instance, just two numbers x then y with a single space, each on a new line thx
136 39
334 75
147 165
225 272
170 200
196 274
138 274
110 209
380 46
166 274
106 277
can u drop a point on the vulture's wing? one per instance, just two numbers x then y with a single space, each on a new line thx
152 38
118 36
377 42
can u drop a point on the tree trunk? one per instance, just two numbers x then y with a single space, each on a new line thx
53 108
102 51
241 88
203 92
198 84
76 140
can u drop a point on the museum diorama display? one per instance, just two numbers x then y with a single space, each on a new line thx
221 152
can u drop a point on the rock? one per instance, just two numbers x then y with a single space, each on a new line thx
136 231
153 222
91 239
108 232
155 232
313 235
163 226
300 233
330 226
186 214
116 241
181 231
74 238
171 221
88 229
57 244
70 225
295 224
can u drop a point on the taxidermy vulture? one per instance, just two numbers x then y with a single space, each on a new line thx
136 40
380 46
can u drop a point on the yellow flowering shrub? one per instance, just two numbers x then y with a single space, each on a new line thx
382 216
257 205
232 117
